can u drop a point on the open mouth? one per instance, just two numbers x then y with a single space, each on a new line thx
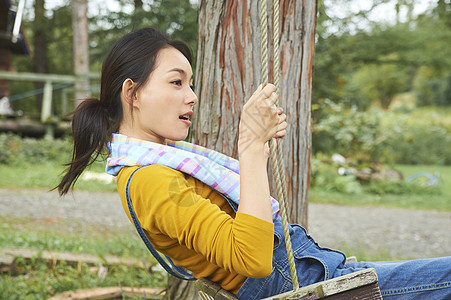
184 117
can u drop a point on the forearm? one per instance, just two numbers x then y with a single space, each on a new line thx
254 186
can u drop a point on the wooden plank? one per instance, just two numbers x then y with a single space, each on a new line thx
110 293
214 290
7 263
342 284
74 259
368 292
46 77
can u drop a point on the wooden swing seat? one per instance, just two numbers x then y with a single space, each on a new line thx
361 285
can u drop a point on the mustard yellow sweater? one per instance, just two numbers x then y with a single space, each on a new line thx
191 223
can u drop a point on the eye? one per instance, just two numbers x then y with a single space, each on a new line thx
177 82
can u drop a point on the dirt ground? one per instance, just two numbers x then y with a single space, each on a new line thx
399 233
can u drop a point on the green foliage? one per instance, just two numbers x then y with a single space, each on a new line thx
415 139
419 137
381 82
44 161
357 65
41 281
384 187
324 175
346 131
16 149
412 195
432 88
176 18
38 280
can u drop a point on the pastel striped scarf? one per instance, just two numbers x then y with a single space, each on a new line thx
215 169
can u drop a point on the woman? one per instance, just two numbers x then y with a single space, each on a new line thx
207 212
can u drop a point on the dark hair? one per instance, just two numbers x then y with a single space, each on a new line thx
94 120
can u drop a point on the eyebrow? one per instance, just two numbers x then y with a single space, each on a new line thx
181 71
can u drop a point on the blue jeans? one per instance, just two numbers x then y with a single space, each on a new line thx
416 279
412 279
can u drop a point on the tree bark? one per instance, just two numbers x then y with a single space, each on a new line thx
40 28
81 49
179 289
228 71
138 4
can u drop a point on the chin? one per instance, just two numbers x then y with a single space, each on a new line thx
177 138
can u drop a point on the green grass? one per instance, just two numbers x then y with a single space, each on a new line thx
37 280
47 175
434 199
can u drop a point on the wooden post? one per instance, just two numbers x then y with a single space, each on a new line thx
81 49
64 108
46 112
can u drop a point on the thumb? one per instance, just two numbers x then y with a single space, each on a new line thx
259 88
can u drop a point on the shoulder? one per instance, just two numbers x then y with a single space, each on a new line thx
154 172
154 179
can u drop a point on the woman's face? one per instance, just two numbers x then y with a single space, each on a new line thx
164 104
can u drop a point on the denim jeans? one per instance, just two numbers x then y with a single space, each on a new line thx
412 279
416 279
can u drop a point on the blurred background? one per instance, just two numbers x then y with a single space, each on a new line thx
381 108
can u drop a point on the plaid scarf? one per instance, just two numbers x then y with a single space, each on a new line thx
215 169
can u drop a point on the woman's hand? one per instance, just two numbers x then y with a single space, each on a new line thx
260 119
281 129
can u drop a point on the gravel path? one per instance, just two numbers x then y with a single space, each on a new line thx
401 233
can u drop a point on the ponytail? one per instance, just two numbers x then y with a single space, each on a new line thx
91 128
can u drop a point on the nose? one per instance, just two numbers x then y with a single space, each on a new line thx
191 97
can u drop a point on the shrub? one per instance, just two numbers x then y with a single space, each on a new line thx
324 174
420 137
14 149
414 141
346 131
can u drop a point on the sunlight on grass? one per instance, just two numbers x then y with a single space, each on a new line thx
432 201
38 280
47 175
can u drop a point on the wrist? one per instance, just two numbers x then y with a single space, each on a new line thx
251 150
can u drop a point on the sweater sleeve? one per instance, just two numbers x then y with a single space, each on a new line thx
168 202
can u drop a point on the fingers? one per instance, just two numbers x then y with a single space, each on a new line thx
269 89
258 90
281 128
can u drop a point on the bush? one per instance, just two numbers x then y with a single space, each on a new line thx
420 137
324 174
409 140
14 149
346 131
384 187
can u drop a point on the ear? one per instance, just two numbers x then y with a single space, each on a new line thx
128 87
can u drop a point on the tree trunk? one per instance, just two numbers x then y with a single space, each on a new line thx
40 28
81 50
179 289
138 4
228 71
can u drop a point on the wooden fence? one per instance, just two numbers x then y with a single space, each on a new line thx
47 118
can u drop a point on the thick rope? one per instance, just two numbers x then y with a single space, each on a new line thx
276 69
276 152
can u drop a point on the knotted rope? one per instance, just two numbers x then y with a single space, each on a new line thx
276 152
